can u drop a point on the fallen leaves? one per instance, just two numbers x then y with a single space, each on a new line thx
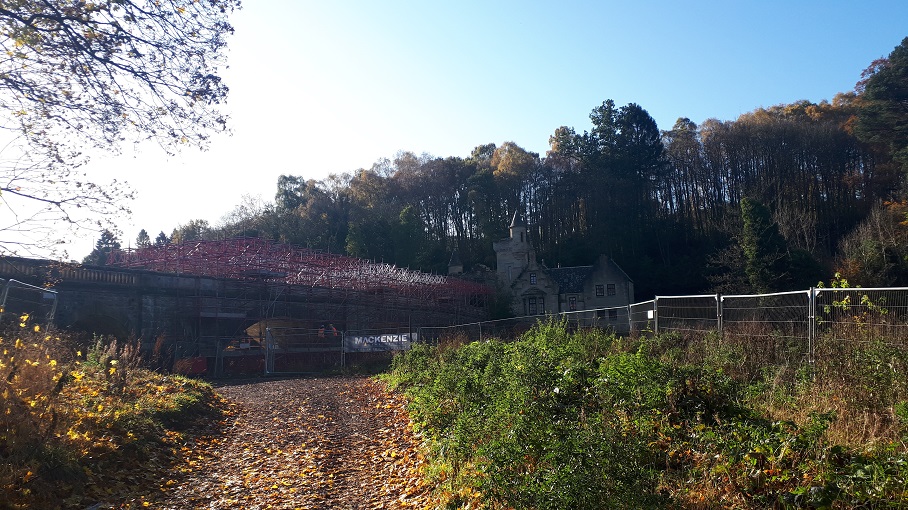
304 443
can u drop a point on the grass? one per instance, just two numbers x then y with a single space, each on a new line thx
80 426
589 420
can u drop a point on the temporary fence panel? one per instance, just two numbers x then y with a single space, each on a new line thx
499 328
849 320
615 319
859 315
643 317
19 299
768 328
298 350
687 314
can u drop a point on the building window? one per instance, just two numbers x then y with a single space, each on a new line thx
532 278
611 289
532 302
613 315
572 303
542 305
600 290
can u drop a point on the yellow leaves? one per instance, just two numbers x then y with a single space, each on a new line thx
19 344
112 370
37 328
100 407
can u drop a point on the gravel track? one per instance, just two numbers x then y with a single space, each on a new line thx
316 443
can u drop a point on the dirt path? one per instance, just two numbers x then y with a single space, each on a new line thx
338 443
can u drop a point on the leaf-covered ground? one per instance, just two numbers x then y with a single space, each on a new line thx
342 442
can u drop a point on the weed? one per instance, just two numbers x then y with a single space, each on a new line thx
558 420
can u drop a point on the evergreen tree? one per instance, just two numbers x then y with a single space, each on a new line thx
107 243
881 118
142 240
161 239
763 247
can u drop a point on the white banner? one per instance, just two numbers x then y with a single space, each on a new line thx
378 343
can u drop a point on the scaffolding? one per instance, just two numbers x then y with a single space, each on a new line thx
255 259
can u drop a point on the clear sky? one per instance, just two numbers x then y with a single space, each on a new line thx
329 87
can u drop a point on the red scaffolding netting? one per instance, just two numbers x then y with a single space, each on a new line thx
262 259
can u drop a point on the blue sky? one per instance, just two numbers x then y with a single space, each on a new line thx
329 87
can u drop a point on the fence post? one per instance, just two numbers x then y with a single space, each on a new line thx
811 325
656 315
719 315
343 339
630 320
269 352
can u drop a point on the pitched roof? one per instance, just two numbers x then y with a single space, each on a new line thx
455 259
517 220
570 279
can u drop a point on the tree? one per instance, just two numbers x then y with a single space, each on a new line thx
875 253
143 240
107 243
884 105
98 74
194 230
769 263
763 247
161 239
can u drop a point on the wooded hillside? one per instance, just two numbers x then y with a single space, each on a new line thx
777 199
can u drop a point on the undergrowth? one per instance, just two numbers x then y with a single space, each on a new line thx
79 426
561 419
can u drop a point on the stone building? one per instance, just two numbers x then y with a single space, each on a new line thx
537 289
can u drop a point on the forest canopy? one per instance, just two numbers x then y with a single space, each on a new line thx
777 199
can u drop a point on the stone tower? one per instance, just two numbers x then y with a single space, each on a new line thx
515 253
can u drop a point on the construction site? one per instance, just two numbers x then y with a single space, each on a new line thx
223 304
292 296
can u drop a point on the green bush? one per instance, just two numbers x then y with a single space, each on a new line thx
587 420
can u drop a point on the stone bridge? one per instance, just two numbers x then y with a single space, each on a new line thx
195 315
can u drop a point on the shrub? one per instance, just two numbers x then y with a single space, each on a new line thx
62 415
587 420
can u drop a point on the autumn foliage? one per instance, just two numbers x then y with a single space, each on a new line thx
80 426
